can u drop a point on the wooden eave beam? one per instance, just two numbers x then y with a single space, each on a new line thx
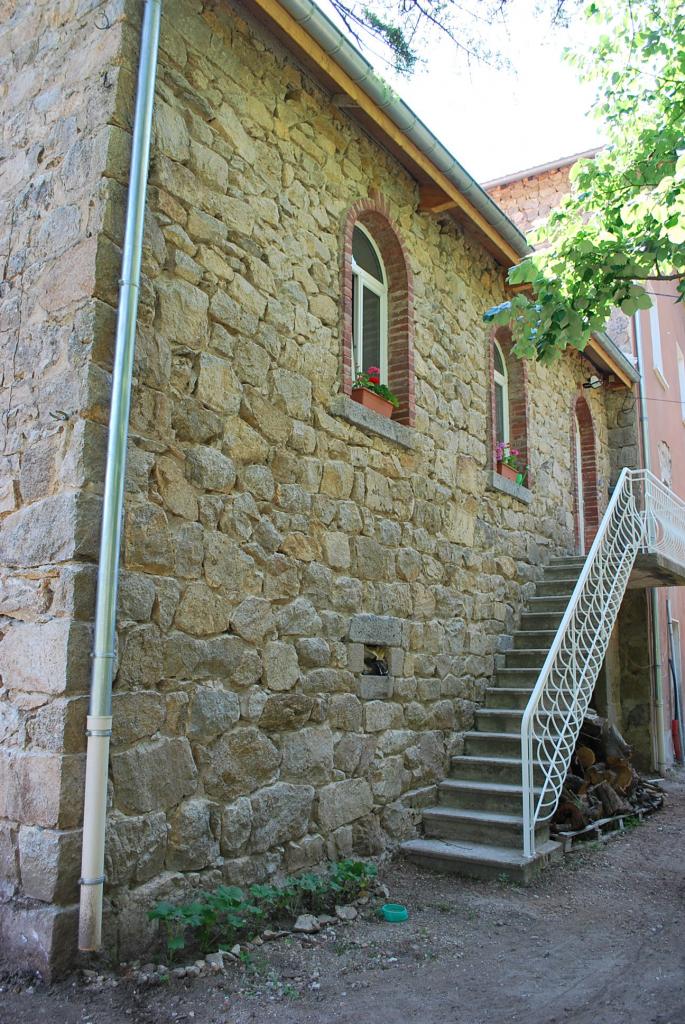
593 348
380 125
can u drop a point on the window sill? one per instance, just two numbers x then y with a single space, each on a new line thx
367 419
495 482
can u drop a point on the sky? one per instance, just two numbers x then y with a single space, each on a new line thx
497 121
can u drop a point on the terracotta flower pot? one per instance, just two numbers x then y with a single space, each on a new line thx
508 472
371 400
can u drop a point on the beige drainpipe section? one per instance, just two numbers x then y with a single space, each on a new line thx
99 721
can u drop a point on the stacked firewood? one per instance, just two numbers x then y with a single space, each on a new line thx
601 782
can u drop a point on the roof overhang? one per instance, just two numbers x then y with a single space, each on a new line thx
445 187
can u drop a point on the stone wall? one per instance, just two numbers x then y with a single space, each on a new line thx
529 201
275 537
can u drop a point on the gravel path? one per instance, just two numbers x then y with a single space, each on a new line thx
597 940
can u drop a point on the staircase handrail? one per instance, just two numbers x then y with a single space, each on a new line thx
643 514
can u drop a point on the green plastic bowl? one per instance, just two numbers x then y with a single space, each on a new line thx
394 912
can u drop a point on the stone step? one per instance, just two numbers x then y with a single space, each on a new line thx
519 678
490 827
564 570
546 603
504 720
507 696
575 560
527 639
481 796
556 587
477 860
533 657
551 620
492 744
490 768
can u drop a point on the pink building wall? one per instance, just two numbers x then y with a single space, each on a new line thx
665 394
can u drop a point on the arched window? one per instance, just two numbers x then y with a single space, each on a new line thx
509 401
370 305
501 386
377 303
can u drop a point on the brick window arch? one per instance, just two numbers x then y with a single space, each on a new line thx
584 462
515 394
372 215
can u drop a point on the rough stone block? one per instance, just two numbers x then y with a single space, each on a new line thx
285 711
210 469
236 825
192 845
299 618
48 657
155 774
280 814
56 529
308 755
41 789
134 847
378 630
345 712
238 763
379 715
50 863
9 861
343 802
281 667
39 938
182 312
375 687
212 711
253 619
305 853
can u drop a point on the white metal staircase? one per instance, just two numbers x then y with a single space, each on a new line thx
493 812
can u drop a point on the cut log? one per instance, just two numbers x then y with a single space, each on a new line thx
612 803
585 757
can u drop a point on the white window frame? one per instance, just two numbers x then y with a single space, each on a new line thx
502 380
365 280
655 335
681 381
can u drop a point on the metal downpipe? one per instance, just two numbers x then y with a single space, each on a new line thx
653 593
99 722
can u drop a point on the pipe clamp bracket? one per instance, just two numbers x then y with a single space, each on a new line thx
92 881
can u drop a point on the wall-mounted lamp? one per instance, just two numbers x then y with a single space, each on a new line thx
593 382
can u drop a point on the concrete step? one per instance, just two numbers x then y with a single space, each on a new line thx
478 860
490 769
492 744
525 639
533 657
489 827
466 794
504 720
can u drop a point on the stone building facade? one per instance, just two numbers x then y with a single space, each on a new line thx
277 536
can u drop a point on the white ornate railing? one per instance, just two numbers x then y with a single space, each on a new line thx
643 514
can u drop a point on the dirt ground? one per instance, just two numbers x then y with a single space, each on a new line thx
599 939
